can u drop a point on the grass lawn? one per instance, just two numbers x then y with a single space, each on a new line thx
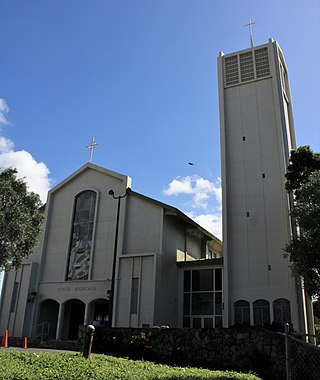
16 365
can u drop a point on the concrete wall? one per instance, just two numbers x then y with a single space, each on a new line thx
142 269
143 226
254 154
17 308
178 239
255 241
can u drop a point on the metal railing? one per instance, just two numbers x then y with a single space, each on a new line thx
302 358
41 330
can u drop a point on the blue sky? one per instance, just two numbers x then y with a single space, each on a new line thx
140 76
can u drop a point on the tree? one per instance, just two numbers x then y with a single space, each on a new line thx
21 220
303 161
304 248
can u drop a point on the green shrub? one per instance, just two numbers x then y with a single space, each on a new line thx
16 365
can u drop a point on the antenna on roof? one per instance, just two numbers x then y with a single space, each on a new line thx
250 23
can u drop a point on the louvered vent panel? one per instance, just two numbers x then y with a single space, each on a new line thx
246 66
262 62
232 70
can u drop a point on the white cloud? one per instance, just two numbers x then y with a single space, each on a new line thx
200 188
200 200
180 186
205 201
210 222
4 109
36 174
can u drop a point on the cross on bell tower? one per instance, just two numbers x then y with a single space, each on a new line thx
249 25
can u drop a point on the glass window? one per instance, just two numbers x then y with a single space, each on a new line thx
187 281
218 303
202 280
186 304
261 313
281 311
14 297
186 322
208 323
134 295
218 279
202 304
196 322
202 298
81 236
242 313
218 321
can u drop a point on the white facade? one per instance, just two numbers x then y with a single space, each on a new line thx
257 134
67 281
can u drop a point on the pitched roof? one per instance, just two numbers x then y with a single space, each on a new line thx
170 210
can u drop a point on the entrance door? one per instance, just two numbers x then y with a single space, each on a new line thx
76 319
73 318
49 310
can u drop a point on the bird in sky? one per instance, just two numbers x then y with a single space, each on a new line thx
191 163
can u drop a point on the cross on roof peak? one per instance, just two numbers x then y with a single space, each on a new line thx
92 146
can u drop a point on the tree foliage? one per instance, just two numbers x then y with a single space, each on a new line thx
304 248
20 220
303 161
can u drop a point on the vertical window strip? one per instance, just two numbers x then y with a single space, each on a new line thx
134 295
262 62
81 236
231 70
246 66
14 297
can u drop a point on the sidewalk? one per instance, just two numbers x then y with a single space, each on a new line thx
50 350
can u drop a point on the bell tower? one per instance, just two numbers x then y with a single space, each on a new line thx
257 134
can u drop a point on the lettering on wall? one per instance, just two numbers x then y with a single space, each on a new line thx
65 289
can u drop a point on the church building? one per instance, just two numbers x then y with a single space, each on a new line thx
111 256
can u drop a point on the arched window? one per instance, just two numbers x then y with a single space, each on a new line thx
281 311
242 313
81 236
261 313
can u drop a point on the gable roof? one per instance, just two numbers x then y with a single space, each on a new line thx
89 166
170 210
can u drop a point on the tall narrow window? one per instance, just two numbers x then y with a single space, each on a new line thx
281 311
261 313
242 313
82 234
14 297
134 296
